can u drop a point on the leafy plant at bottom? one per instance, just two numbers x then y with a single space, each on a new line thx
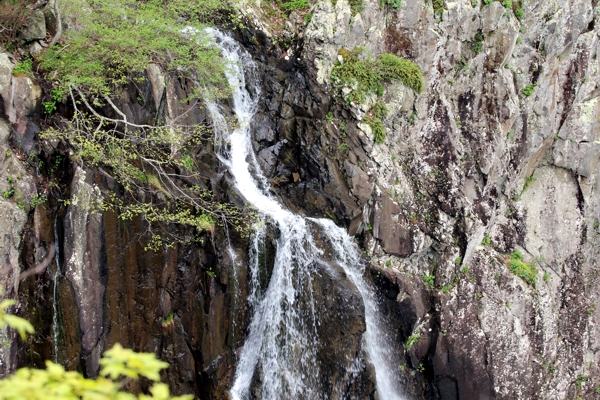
12 321
24 67
118 365
55 382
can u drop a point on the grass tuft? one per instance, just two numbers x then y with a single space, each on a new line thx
523 270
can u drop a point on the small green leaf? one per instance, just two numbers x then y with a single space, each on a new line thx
19 324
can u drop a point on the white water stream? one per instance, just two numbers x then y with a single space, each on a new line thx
57 274
282 339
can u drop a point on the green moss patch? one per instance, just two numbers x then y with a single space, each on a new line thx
523 270
367 75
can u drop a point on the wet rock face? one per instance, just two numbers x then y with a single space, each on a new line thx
497 155
17 187
181 304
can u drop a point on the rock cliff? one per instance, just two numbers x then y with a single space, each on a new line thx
479 210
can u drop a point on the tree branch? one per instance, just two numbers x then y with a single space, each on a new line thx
41 267
59 28
117 121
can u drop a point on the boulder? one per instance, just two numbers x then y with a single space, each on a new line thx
35 27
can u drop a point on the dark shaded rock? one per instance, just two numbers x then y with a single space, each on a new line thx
35 27
341 316
387 227
359 182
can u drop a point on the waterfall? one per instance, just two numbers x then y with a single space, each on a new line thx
55 326
282 340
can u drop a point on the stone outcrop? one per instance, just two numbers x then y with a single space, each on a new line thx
17 189
498 154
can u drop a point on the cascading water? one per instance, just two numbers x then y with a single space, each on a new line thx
282 340
55 326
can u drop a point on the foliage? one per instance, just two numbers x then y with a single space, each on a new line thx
392 3
429 281
438 6
119 38
329 117
158 161
8 193
523 270
356 6
528 181
362 75
477 45
295 5
486 2
507 3
17 323
519 13
308 18
412 339
49 107
13 17
377 127
528 90
56 383
379 110
37 200
113 45
367 76
486 240
392 68
24 67
168 321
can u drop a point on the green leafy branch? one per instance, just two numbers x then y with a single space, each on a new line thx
12 321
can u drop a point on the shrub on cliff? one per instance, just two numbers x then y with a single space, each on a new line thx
109 45
367 75
393 68
116 40
523 270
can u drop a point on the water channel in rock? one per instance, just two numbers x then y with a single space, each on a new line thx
280 349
